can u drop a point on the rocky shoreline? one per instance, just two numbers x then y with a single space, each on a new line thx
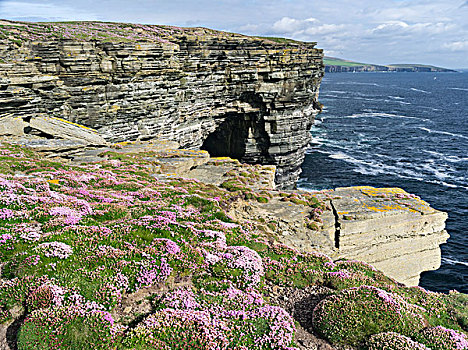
126 222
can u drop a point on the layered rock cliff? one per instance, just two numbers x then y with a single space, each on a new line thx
232 95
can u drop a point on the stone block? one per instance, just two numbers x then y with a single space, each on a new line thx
10 126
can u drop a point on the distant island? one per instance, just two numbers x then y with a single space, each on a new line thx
338 65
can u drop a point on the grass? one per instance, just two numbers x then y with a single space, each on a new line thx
340 62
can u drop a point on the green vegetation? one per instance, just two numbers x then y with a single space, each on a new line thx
78 244
330 61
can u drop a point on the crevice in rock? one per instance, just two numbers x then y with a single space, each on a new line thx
337 225
31 131
12 332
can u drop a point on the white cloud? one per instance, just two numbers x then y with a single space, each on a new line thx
457 45
303 28
292 25
325 29
403 28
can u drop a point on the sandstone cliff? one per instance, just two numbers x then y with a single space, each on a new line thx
233 95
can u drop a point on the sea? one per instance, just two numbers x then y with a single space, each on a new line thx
407 130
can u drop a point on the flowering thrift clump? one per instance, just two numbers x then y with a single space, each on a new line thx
354 314
393 341
55 249
215 320
441 338
6 214
69 327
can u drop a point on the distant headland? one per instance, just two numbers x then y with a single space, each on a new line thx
338 65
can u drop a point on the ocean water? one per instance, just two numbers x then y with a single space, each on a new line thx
407 130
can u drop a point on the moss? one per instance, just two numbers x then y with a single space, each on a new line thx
262 199
232 186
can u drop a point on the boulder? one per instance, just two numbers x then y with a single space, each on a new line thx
64 129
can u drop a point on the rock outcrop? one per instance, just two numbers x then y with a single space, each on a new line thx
229 94
389 228
394 231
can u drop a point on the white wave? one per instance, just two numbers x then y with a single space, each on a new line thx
453 262
356 83
446 184
419 90
451 159
461 89
340 156
383 115
337 92
317 141
370 167
400 102
438 172
396 97
364 171
442 132
455 159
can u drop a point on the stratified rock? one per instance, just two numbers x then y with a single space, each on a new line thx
49 146
10 126
396 232
66 130
232 95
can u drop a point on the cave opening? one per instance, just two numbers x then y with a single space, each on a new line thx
229 138
242 136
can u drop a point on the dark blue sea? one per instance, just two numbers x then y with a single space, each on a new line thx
407 130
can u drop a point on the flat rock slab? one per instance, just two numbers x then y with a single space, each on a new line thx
63 129
48 145
365 202
156 146
211 174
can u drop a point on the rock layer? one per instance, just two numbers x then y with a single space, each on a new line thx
237 96
396 232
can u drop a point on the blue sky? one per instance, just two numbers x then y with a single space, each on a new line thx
375 31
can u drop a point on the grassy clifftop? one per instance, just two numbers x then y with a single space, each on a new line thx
106 256
19 32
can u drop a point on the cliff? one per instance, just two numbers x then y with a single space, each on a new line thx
249 98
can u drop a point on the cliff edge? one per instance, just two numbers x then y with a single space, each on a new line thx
249 98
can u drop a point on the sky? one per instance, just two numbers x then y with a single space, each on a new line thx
372 31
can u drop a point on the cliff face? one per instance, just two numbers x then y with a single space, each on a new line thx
248 98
